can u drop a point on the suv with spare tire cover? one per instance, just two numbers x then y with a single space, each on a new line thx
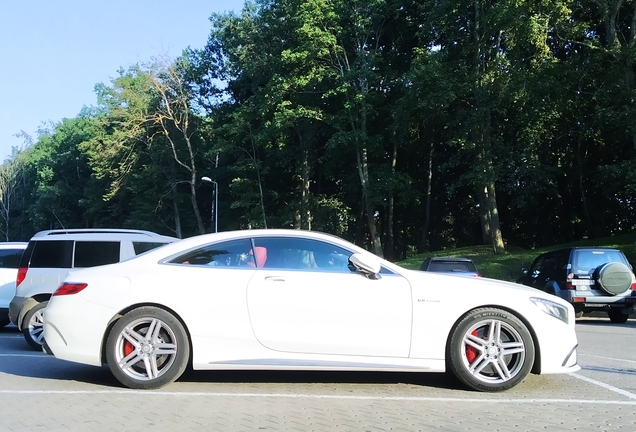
590 278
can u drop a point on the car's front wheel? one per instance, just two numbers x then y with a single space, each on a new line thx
33 326
147 348
490 350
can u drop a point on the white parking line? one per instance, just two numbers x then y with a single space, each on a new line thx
607 358
25 355
316 396
605 386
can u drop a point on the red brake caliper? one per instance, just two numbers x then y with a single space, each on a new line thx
471 352
128 348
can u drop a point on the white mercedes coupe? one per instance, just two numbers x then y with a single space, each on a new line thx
301 300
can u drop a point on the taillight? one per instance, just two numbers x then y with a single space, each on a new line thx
633 282
568 281
22 271
69 288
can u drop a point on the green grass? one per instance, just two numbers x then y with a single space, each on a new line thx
508 266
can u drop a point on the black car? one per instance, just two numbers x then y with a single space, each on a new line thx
590 278
450 265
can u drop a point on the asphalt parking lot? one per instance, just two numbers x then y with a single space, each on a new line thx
41 393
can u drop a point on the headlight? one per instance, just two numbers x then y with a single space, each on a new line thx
551 308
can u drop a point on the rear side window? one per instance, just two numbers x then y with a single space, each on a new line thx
91 253
51 254
235 253
10 258
141 247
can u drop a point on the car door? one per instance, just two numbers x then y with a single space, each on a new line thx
305 299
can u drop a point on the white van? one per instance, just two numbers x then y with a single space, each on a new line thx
51 255
10 253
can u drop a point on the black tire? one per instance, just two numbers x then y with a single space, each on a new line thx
617 316
477 357
139 361
614 278
33 326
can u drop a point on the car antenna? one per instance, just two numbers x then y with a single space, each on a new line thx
60 222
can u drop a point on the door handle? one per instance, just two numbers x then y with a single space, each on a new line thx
275 279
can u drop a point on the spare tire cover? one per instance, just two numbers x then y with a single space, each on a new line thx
614 278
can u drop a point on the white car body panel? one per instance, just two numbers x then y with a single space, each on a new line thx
274 319
314 315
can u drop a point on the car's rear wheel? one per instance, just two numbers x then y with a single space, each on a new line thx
617 316
490 350
147 348
33 326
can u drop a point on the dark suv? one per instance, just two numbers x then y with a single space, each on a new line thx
450 265
590 278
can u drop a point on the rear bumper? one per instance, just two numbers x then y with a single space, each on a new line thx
15 307
587 301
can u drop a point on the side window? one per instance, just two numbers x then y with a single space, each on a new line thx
537 266
10 258
303 254
141 247
562 260
235 253
93 253
52 254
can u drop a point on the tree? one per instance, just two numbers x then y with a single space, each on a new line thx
11 178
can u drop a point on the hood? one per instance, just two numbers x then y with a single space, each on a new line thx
490 290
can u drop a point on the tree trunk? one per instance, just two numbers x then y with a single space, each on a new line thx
489 198
177 215
304 212
427 209
390 238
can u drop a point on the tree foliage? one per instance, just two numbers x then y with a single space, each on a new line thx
399 125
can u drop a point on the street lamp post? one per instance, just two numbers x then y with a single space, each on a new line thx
214 214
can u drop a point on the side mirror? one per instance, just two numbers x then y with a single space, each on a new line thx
367 264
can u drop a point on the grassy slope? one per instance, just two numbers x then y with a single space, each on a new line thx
508 266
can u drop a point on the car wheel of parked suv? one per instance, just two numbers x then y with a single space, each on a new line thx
617 316
32 326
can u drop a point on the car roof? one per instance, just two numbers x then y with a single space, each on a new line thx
450 259
101 234
580 248
195 241
13 245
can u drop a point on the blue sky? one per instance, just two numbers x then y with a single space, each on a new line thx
53 52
